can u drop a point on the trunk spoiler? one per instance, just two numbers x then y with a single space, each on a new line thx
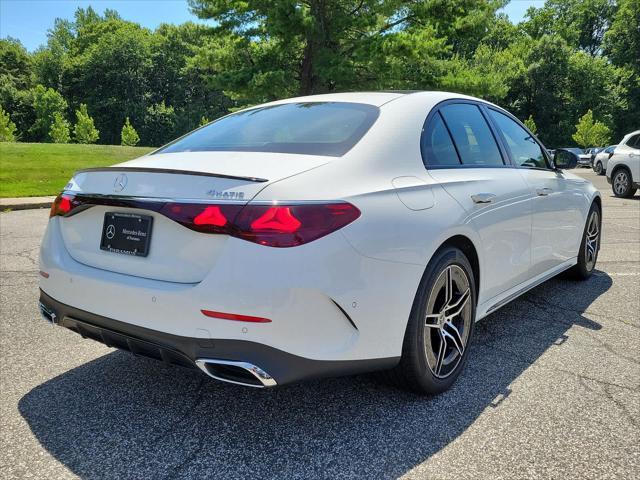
175 172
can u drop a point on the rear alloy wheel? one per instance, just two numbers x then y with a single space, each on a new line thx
590 245
598 168
447 321
621 184
441 325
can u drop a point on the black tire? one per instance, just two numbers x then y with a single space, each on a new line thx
622 184
598 168
416 371
588 254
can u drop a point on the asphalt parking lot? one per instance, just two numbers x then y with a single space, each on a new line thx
551 390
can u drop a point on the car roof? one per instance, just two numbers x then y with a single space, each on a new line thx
377 99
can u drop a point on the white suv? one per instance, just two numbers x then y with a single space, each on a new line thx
623 169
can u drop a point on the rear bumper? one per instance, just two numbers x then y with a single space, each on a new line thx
325 301
280 366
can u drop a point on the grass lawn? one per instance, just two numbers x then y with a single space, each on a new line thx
37 169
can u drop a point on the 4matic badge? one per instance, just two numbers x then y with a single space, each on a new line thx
230 195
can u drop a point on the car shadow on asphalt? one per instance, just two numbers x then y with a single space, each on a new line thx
122 417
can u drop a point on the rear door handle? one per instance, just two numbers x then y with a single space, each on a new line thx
543 192
483 197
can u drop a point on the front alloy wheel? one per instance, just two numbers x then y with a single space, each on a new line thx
592 238
590 245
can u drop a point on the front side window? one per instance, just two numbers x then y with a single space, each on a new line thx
313 128
525 151
471 134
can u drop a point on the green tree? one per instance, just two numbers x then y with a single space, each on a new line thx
59 131
107 65
622 46
267 50
540 87
203 121
159 124
85 131
531 125
128 135
46 103
581 23
590 132
16 78
7 127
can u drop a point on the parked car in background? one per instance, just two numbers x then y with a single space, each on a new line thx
318 236
581 158
592 152
602 159
623 168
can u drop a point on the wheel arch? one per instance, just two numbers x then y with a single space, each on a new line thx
467 247
598 201
620 166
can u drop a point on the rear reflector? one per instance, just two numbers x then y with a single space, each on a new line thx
234 316
287 225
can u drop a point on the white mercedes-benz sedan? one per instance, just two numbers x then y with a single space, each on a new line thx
318 236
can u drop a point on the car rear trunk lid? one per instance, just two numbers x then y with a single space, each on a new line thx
176 253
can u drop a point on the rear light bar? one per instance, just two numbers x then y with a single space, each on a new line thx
272 225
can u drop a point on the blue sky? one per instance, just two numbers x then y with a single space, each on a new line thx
29 20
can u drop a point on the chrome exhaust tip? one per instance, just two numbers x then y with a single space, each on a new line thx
238 373
48 314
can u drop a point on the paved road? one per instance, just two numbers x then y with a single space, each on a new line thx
552 389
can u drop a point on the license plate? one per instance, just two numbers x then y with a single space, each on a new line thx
126 233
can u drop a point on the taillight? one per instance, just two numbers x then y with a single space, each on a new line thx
199 217
271 225
62 205
292 225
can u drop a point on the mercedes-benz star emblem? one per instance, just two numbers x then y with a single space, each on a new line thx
111 231
120 182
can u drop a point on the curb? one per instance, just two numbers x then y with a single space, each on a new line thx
25 203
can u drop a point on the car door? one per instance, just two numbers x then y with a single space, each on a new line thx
631 150
557 200
461 152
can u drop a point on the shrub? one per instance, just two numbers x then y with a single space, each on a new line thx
129 136
590 132
7 127
85 131
531 125
46 103
59 131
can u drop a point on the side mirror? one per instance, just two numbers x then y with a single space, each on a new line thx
565 162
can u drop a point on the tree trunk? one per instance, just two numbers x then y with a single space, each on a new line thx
307 80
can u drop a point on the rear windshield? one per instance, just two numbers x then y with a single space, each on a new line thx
315 128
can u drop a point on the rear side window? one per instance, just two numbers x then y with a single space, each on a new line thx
473 139
437 145
313 128
526 152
